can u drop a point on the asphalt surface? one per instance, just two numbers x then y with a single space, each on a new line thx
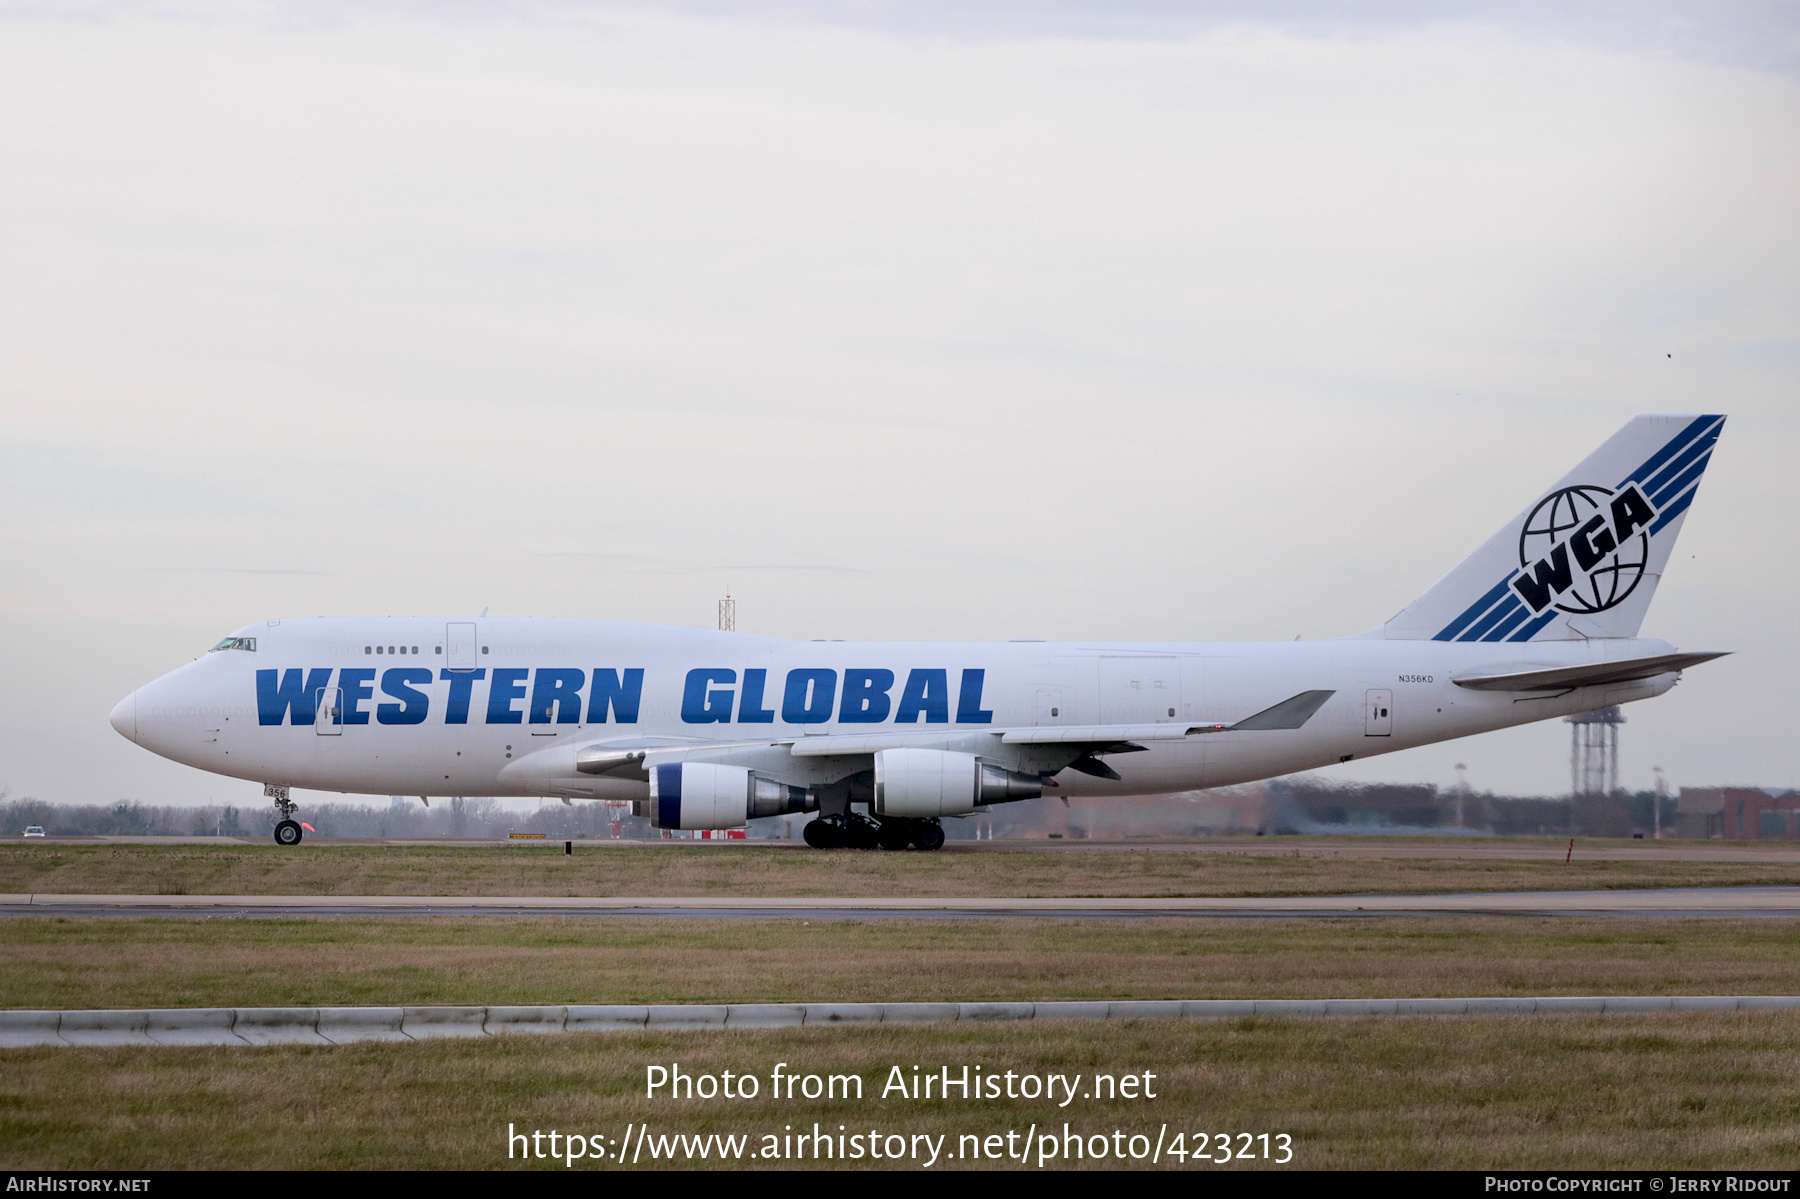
1671 903
1446 848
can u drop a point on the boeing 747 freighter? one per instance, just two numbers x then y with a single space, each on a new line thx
705 730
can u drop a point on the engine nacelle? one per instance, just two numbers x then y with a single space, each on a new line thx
694 795
1000 785
699 795
927 783
771 798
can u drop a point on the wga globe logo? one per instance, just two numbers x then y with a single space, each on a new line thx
1584 549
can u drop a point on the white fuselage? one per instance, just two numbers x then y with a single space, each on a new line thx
522 701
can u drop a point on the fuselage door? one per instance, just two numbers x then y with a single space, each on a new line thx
328 717
459 647
1048 707
1378 713
1140 690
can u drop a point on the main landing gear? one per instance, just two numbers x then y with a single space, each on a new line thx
861 832
288 831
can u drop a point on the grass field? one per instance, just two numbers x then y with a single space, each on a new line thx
61 963
749 871
1654 1092
1689 1091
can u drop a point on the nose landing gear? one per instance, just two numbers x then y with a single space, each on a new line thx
288 831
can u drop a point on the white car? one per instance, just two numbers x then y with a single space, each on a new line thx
36 830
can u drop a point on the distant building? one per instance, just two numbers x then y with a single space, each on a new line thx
1738 814
1306 805
1225 811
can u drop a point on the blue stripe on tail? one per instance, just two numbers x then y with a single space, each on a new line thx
1479 630
1681 464
1676 444
1681 482
1676 508
1669 478
1449 631
1511 621
1533 627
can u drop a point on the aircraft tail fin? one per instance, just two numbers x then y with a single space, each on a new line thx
1584 558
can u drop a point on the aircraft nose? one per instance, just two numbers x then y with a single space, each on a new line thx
124 717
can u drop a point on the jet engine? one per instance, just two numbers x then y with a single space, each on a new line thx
693 795
927 783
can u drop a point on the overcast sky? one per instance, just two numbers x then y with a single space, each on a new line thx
1110 321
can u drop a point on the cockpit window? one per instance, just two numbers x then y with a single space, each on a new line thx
248 643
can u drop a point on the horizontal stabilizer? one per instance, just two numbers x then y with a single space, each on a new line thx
1594 674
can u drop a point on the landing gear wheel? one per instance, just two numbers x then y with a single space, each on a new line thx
928 835
863 833
822 834
287 833
895 834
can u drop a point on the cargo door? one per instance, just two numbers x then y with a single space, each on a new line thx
328 716
1193 688
1140 690
459 647
1378 713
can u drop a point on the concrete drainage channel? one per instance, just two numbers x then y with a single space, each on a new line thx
337 1026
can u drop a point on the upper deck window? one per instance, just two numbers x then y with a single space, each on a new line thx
248 643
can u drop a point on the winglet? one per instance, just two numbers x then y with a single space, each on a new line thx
1288 714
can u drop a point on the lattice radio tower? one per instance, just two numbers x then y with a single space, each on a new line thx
1594 751
728 615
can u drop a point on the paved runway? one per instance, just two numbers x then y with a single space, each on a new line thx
1532 849
1682 902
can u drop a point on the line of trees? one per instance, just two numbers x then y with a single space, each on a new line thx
445 818
1306 805
1297 805
125 818
449 818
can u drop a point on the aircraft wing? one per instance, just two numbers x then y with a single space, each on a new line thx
1566 678
1290 713
631 758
